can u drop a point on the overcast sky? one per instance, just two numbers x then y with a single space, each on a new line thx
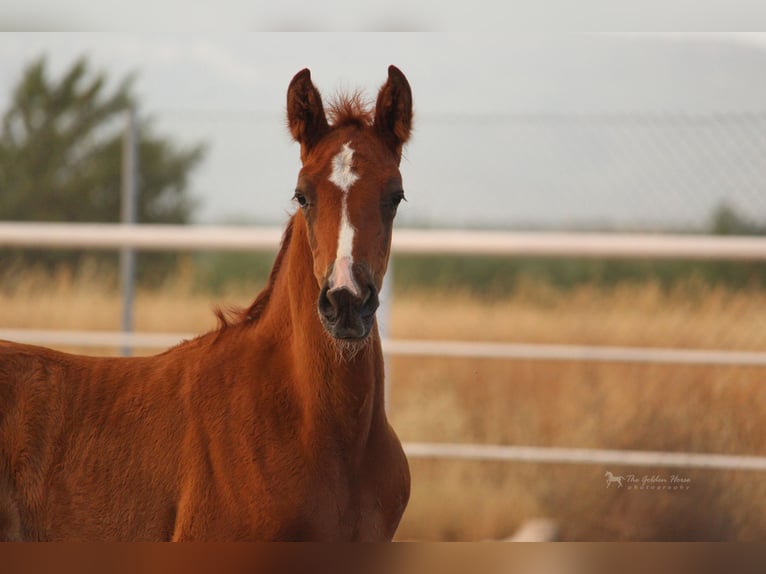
228 90
502 16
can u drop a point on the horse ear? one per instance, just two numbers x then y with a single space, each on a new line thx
305 112
393 110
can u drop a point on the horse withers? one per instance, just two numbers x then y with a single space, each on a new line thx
272 426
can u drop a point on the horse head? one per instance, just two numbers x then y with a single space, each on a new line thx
348 191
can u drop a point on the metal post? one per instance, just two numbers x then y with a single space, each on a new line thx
384 327
128 209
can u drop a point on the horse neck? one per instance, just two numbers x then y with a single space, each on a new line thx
348 390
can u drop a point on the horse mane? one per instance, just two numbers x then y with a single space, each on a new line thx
350 109
233 316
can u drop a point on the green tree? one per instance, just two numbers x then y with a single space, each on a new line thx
61 155
726 220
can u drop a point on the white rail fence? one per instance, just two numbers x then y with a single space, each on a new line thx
422 348
196 238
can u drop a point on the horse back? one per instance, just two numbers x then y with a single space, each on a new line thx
74 435
30 418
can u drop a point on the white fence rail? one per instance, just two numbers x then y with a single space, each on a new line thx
594 456
193 238
422 348
202 237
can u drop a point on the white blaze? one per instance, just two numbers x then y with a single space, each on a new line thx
343 174
344 177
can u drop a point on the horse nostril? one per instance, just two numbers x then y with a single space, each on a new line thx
370 302
326 304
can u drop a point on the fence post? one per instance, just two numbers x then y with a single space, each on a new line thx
384 328
128 208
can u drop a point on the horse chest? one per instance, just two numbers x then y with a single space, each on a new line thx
344 498
352 501
375 491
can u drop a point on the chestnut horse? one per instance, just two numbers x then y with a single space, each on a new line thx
271 427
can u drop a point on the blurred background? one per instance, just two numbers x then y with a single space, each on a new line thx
617 133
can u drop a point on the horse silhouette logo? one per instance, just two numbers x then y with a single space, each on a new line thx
610 478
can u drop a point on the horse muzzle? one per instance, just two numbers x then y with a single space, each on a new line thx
348 315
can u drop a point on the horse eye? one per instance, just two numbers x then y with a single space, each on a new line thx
397 197
300 199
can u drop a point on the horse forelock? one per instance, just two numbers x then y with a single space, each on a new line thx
350 109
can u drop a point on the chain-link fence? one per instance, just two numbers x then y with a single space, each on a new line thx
615 171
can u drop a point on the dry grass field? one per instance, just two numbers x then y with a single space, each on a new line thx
579 404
